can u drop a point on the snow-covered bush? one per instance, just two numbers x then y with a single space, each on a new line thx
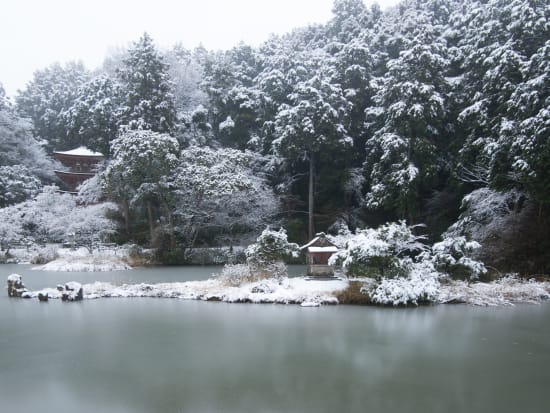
45 254
236 275
378 252
453 256
486 212
53 217
420 285
17 184
266 257
270 247
398 264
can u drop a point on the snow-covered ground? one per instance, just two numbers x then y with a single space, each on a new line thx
508 290
81 260
85 264
288 291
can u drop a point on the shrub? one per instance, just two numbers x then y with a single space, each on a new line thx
378 253
235 275
270 247
45 255
421 285
453 256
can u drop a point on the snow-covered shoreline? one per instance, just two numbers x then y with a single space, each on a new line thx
288 291
504 292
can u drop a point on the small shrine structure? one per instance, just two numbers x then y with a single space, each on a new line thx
318 251
82 164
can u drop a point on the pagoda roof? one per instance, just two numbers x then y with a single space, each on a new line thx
80 151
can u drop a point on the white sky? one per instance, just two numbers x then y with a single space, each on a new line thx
37 33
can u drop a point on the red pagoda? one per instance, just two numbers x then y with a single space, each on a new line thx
82 164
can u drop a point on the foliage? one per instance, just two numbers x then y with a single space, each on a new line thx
18 147
218 190
420 285
453 256
54 217
378 253
17 184
94 117
235 275
270 247
47 98
145 84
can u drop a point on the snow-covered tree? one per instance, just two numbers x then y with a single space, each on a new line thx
47 97
409 128
148 90
24 165
312 128
93 119
4 101
267 254
54 217
141 160
271 246
229 82
186 72
17 183
217 191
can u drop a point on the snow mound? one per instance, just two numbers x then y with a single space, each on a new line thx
14 278
89 263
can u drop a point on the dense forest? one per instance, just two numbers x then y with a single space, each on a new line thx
434 112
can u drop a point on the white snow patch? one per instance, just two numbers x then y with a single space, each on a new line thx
14 278
506 291
85 263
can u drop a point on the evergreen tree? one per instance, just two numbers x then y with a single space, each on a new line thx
313 128
142 159
46 99
409 129
147 88
93 119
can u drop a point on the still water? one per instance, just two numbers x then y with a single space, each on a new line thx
163 355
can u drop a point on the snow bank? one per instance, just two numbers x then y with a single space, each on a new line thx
506 291
85 264
289 291
81 260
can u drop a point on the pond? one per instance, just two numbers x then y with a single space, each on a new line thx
163 355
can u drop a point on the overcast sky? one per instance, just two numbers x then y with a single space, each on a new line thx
37 33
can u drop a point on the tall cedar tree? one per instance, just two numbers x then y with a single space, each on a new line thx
145 82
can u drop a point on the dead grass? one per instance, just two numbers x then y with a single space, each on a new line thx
353 295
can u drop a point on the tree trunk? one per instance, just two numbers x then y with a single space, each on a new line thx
126 214
171 228
311 198
150 219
